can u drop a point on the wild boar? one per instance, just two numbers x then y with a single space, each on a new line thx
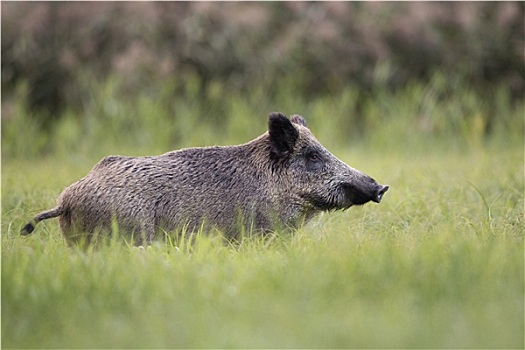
281 179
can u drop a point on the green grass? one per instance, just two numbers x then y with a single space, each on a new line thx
439 263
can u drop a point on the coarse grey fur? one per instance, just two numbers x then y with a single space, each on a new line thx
281 179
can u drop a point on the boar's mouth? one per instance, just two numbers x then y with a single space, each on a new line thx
324 204
346 196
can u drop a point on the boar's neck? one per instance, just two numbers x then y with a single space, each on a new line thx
286 207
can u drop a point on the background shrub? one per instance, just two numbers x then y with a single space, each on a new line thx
194 62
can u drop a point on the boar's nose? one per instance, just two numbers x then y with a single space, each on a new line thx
379 193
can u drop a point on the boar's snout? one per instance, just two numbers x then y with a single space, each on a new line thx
380 192
363 192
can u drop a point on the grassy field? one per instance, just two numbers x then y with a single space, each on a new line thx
439 263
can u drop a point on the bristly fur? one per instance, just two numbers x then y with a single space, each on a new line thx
280 179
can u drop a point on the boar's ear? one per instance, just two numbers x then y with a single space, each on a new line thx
283 135
298 119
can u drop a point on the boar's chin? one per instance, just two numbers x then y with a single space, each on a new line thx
328 204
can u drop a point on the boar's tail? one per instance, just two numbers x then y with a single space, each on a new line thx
48 214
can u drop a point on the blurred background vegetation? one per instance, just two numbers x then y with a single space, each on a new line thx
141 77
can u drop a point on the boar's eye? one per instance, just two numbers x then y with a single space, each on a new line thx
314 160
